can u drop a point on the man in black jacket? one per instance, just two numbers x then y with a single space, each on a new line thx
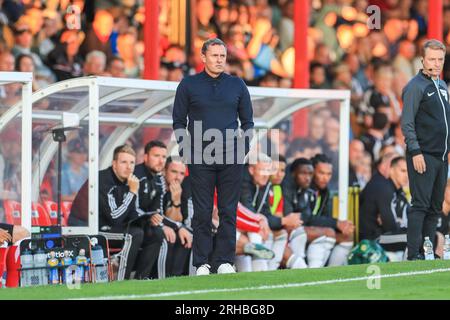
178 213
425 125
383 211
213 101
255 197
322 216
151 181
119 212
151 189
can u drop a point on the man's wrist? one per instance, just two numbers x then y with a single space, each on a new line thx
176 205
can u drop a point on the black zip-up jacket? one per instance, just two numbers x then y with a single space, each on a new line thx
217 102
256 199
150 188
187 207
380 198
299 200
425 117
323 215
117 205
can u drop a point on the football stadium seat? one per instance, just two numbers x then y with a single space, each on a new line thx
13 212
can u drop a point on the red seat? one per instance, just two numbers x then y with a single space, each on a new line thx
39 216
13 212
52 209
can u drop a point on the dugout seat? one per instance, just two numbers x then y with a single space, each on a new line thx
13 211
52 209
39 215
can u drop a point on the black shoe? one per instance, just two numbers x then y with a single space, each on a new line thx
418 256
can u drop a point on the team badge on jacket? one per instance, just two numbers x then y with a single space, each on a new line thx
444 93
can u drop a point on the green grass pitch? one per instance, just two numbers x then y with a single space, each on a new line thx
404 280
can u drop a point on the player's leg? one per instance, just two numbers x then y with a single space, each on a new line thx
341 250
150 249
229 178
280 239
321 241
203 180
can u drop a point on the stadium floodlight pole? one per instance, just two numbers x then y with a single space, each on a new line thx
301 70
151 40
435 25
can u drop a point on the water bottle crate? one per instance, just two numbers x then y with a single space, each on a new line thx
64 260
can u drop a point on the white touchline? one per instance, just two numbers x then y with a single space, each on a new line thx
279 286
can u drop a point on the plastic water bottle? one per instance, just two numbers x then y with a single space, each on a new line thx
40 261
428 249
447 247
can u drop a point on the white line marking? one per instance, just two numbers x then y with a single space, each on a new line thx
280 286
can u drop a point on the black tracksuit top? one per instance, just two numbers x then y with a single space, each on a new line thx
117 205
381 198
425 117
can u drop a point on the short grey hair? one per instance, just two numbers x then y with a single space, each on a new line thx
96 54
433 44
212 42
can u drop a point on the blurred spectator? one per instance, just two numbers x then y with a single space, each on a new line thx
384 207
74 172
301 148
121 25
356 154
374 138
286 25
116 67
342 77
64 59
48 37
222 19
97 36
163 72
206 28
235 68
380 95
95 63
443 225
24 40
420 14
7 61
236 49
403 60
261 49
322 56
270 80
175 61
126 46
399 141
364 170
